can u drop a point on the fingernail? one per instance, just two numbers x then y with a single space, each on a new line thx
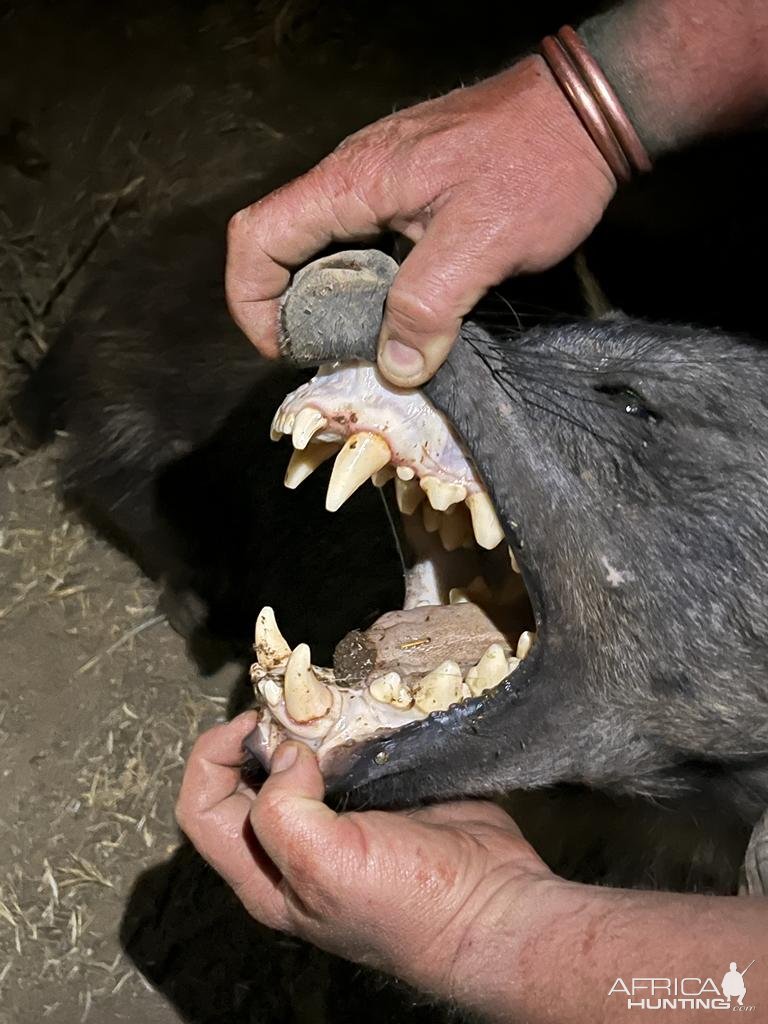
400 360
283 758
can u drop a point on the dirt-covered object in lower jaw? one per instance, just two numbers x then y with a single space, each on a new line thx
467 622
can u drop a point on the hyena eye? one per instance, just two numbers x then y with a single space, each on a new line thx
629 401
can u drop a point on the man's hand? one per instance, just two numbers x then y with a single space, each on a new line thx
402 892
488 181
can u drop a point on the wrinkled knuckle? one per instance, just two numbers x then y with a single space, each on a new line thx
236 226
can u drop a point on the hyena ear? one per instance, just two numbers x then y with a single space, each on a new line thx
333 308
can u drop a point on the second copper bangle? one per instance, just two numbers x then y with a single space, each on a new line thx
586 107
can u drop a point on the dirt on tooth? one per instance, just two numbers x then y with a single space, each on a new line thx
271 647
489 671
389 689
440 688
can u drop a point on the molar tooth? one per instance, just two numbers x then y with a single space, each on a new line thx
271 646
454 528
485 523
440 688
409 495
383 476
405 473
306 698
513 560
358 460
303 463
389 689
271 691
489 671
441 493
457 595
431 518
308 422
524 644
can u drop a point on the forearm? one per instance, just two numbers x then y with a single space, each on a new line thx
684 69
557 957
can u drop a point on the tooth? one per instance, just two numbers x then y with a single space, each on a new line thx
405 473
513 560
285 422
271 646
455 528
442 494
485 523
479 591
439 688
304 463
358 460
306 698
308 422
409 495
524 644
489 671
383 476
271 691
431 518
513 664
275 432
389 689
457 595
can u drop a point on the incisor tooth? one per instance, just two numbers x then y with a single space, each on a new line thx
306 698
358 460
409 495
308 422
271 646
405 473
271 691
513 560
524 644
303 463
382 476
485 523
389 689
439 688
489 671
442 494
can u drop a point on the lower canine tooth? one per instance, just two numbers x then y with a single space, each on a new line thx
409 495
439 688
485 523
524 644
308 422
306 698
489 671
361 456
271 646
304 463
389 689
442 494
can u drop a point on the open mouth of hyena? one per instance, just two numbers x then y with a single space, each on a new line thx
467 622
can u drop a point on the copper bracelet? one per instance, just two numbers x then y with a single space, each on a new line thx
585 105
601 89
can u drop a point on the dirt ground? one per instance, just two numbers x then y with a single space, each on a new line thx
109 119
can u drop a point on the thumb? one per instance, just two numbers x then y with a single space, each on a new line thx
288 816
439 282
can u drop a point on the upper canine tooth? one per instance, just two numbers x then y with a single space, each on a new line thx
442 494
271 646
306 698
513 560
308 422
358 460
389 689
489 671
439 688
524 644
409 495
485 523
303 463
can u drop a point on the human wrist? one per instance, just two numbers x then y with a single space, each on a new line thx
684 69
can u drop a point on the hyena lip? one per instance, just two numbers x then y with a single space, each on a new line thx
458 642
